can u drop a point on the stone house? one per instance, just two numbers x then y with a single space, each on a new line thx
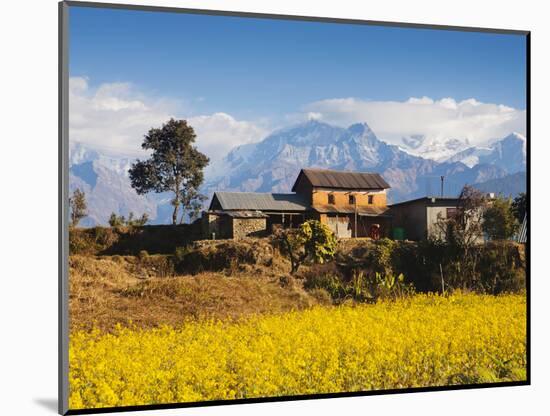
233 224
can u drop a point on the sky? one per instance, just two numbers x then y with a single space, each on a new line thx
237 79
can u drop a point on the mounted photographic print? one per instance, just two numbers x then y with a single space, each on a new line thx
264 207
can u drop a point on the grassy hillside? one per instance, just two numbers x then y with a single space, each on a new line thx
155 239
128 290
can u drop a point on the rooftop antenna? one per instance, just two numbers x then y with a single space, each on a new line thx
442 183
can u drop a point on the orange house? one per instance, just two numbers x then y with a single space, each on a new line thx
352 204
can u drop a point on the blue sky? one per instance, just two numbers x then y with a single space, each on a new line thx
262 66
238 78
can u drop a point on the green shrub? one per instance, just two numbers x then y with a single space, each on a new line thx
312 242
491 268
359 286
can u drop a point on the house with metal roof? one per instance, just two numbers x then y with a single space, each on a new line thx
352 204
417 219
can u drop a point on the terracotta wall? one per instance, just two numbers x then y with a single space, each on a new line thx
320 197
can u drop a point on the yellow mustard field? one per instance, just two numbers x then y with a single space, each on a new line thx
427 340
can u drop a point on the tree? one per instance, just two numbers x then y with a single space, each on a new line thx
499 221
137 222
175 165
519 206
459 234
464 228
116 220
119 221
192 205
78 207
312 241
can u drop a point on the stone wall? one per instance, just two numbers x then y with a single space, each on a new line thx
216 226
249 227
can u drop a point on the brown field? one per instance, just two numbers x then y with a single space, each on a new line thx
106 290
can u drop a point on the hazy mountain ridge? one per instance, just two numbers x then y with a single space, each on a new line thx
509 153
105 181
508 186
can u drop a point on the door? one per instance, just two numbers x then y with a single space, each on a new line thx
340 226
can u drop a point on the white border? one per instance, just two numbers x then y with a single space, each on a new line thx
29 205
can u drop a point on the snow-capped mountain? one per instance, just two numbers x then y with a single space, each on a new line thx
434 148
509 153
272 165
105 182
470 156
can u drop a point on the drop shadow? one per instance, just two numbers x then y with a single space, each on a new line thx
49 404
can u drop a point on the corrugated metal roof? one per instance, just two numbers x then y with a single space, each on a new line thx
246 214
325 178
448 200
253 201
361 210
521 236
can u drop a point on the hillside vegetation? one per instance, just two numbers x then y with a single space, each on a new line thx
127 240
231 279
128 290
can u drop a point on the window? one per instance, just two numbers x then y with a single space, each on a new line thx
371 199
451 212
331 199
351 199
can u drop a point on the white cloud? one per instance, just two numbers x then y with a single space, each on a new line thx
469 120
422 100
115 116
314 116
219 133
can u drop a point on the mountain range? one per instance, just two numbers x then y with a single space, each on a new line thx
272 165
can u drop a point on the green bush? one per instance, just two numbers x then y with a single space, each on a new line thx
359 285
491 268
312 242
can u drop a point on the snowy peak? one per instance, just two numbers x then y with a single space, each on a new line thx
310 133
361 129
80 153
470 156
435 148
509 153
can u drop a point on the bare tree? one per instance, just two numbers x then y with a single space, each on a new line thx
461 232
465 227
78 206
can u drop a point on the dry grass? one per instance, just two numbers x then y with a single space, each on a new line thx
108 290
